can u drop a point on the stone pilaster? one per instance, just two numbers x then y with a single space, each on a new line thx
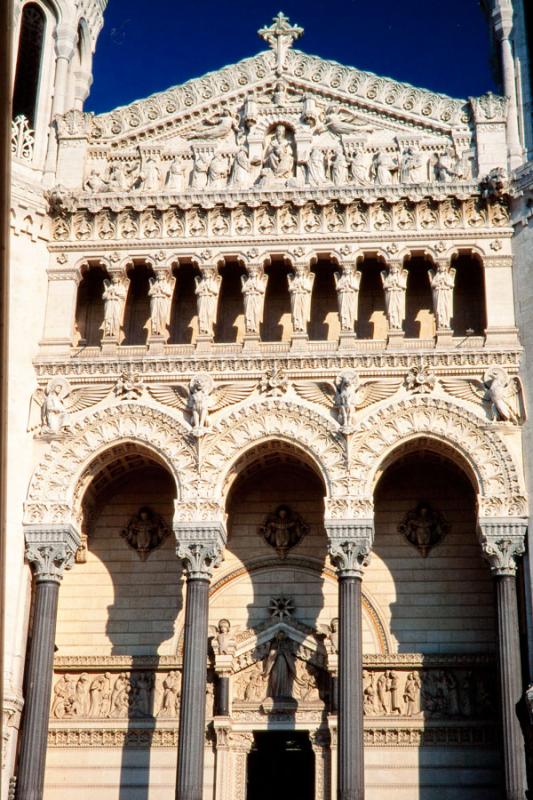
320 743
223 769
350 542
63 282
49 550
200 546
502 542
241 744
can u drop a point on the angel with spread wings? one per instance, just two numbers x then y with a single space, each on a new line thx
347 395
201 398
223 638
50 407
500 394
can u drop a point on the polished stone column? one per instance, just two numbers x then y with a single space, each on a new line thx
200 548
50 551
223 696
502 542
349 548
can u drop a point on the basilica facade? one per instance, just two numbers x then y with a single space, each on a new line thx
268 506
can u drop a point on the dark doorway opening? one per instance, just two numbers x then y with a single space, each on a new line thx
281 764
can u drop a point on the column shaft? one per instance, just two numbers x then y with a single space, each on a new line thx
350 726
223 696
190 775
30 778
511 687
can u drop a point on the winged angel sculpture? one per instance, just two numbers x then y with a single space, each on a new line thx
500 394
50 408
201 398
347 395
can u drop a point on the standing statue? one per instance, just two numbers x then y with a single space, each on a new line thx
199 170
207 291
149 178
447 166
160 294
175 179
278 162
53 410
339 168
359 169
300 288
395 285
223 641
241 169
315 167
114 296
382 168
253 289
411 694
217 172
347 285
280 668
442 282
346 398
410 162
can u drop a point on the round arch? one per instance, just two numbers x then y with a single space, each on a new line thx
57 483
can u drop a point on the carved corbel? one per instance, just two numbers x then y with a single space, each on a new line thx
349 545
502 543
51 549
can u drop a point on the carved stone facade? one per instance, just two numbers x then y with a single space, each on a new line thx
277 363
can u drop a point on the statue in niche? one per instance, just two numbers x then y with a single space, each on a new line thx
315 167
382 168
395 285
145 532
278 161
223 640
160 294
339 168
283 530
359 168
280 668
442 282
241 169
300 288
217 173
149 178
199 170
446 166
253 289
175 179
114 297
219 127
206 291
347 285
411 694
410 163
423 527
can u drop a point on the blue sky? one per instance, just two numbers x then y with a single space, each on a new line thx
442 46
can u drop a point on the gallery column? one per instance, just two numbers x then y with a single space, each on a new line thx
200 546
349 544
502 542
50 550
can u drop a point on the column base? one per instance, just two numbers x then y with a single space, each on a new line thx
299 342
395 339
251 343
109 347
444 337
204 343
156 345
347 340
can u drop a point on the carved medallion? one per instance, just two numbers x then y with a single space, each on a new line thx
424 527
283 530
145 531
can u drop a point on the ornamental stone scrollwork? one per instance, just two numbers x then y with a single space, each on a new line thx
51 550
423 527
283 529
200 546
349 545
145 531
502 543
420 380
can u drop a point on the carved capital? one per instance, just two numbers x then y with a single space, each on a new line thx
349 545
51 550
502 543
200 546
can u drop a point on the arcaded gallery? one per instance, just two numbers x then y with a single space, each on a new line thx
269 517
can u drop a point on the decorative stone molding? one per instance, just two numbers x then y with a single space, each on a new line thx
200 545
51 550
349 545
502 543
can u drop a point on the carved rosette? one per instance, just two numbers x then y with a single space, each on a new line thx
200 546
51 550
349 545
502 543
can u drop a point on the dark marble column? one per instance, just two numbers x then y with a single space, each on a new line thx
349 549
200 549
503 542
49 552
223 696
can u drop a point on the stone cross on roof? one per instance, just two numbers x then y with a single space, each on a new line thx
280 36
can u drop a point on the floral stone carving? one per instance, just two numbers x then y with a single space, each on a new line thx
283 529
424 527
145 532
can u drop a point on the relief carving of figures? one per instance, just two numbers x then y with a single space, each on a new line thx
121 176
207 291
339 168
82 229
160 293
447 166
346 397
241 169
306 687
423 527
278 160
200 401
316 167
500 394
252 685
242 221
103 696
332 636
300 288
145 532
341 121
95 182
175 178
410 163
217 173
219 127
411 695
114 296
395 284
149 178
199 171
347 285
50 408
369 693
223 640
253 289
382 168
283 530
280 668
311 219
171 688
442 282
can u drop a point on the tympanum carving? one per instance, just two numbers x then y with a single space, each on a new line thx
283 529
145 531
424 527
